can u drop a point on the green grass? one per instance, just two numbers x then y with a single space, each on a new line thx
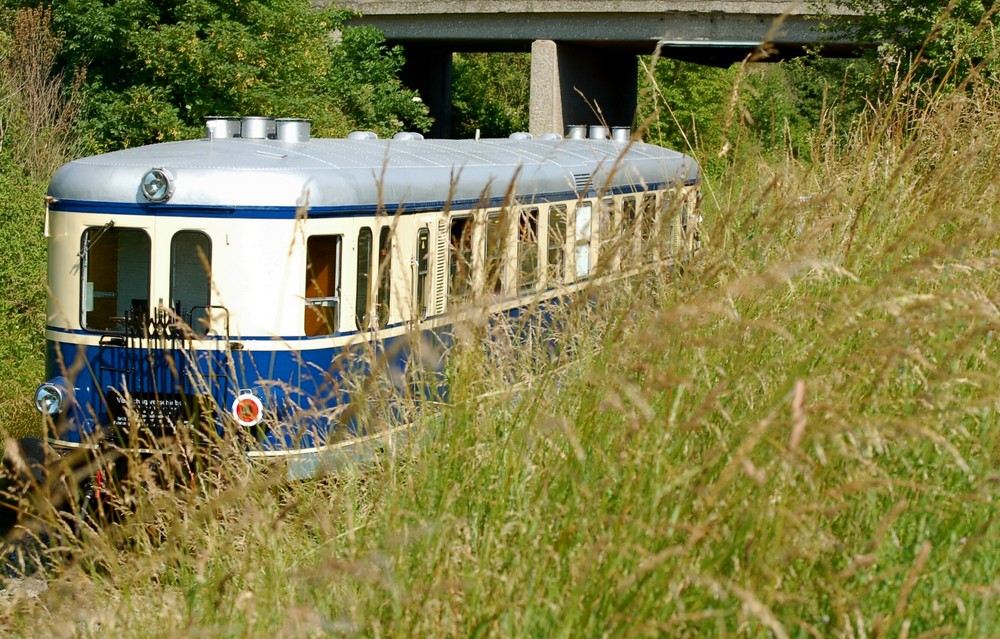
796 437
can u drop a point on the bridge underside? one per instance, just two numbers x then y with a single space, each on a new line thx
583 65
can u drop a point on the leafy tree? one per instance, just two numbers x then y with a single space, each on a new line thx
490 93
156 69
945 42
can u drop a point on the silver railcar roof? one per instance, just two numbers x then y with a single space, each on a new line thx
234 172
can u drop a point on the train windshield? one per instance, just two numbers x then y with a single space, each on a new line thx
115 275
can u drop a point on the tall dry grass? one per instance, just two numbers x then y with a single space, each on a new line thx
796 436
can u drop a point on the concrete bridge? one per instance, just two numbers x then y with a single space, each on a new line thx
583 52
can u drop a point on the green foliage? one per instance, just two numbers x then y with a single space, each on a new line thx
946 42
367 88
783 107
685 103
156 70
22 296
490 93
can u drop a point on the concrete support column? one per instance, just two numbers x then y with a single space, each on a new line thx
571 85
428 71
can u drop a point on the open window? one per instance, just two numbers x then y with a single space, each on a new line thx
191 278
322 308
115 271
460 258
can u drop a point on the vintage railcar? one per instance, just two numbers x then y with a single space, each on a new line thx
240 279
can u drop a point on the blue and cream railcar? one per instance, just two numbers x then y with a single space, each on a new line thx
238 275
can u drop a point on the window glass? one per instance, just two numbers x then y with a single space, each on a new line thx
527 248
605 241
647 224
423 270
628 230
460 258
384 275
496 246
322 309
557 244
115 277
191 278
364 277
581 253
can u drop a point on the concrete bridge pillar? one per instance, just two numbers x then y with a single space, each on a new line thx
572 84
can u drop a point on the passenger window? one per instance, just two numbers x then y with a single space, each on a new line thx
527 248
364 277
605 241
496 246
115 277
191 278
322 312
423 270
582 251
384 275
557 244
460 258
628 230
647 224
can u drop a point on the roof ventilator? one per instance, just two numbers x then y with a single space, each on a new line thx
408 135
362 135
580 181
621 133
598 132
256 127
222 126
293 129
520 135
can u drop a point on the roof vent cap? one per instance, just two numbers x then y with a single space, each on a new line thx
408 135
550 136
577 132
598 132
362 135
222 126
293 129
520 135
621 133
256 127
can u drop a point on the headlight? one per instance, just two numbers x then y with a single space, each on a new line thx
50 399
157 185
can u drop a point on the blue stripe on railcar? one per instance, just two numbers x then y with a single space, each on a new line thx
307 393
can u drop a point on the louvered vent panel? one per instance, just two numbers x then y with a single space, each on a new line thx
580 181
441 267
